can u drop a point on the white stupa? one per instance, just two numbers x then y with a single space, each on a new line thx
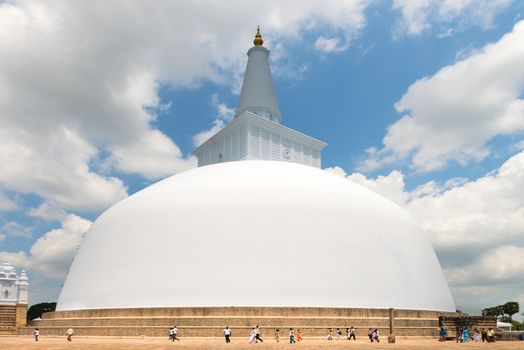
258 223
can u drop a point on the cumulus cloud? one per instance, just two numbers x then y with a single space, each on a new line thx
477 214
48 211
51 255
15 229
54 164
19 260
502 264
224 115
390 186
419 16
476 226
6 204
453 114
154 155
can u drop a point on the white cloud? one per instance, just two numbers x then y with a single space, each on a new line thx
223 111
205 135
6 204
49 258
54 164
419 16
390 186
477 227
329 45
460 213
48 211
2 237
51 255
15 229
224 115
154 155
503 264
453 114
18 260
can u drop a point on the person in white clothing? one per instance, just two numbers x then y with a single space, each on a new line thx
69 334
36 333
329 335
252 336
376 335
175 333
227 334
291 336
339 334
257 335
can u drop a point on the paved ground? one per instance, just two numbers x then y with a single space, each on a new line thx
22 343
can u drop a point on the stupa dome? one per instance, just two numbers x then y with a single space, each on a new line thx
255 233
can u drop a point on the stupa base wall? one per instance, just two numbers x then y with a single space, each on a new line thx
210 321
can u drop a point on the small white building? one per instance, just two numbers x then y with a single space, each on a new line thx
13 288
505 326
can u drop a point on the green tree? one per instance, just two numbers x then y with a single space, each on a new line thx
511 308
36 311
492 311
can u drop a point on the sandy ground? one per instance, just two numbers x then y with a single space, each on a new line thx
22 343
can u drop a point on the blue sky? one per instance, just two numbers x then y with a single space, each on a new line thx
420 101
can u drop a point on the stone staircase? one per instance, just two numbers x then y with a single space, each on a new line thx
8 320
209 322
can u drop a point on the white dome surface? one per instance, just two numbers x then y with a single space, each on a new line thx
255 233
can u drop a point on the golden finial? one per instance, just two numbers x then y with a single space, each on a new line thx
258 38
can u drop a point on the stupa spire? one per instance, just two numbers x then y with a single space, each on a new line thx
258 41
258 91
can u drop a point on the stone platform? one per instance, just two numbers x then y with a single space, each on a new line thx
210 321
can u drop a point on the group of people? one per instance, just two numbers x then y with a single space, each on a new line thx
296 336
69 334
293 336
350 333
254 336
463 335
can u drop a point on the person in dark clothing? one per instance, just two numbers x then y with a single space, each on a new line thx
352 333
484 334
